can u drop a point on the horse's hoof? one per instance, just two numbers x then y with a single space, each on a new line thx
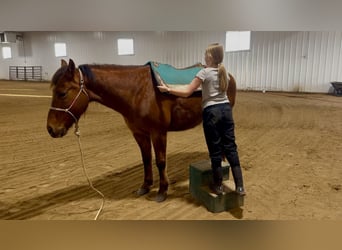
160 197
141 191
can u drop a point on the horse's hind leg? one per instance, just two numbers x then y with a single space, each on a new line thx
144 143
159 144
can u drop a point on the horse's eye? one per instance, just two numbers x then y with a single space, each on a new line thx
61 94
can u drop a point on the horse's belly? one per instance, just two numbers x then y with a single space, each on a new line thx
183 126
186 115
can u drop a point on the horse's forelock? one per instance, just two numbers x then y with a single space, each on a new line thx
58 74
61 72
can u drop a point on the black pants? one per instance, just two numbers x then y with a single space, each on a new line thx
218 125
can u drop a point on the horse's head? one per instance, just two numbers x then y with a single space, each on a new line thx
69 99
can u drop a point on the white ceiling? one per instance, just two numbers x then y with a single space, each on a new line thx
169 15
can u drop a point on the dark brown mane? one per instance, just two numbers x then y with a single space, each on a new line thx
86 70
109 67
113 66
58 74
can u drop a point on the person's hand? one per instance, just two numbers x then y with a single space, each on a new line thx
163 88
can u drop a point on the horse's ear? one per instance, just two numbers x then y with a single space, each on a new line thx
71 66
63 63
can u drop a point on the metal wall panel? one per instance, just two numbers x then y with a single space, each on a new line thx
180 49
281 61
289 61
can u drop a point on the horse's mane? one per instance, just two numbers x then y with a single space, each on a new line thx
111 66
87 68
87 72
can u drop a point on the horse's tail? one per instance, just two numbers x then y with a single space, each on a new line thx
231 92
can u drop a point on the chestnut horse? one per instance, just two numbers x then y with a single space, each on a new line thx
131 91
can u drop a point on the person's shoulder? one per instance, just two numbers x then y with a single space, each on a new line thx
206 72
208 69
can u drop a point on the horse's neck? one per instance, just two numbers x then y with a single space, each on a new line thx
115 88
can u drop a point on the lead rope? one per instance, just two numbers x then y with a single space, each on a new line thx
78 134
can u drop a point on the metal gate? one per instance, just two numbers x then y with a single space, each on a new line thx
26 73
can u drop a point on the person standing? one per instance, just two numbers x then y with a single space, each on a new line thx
218 123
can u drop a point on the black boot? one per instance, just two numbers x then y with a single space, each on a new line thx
237 175
216 186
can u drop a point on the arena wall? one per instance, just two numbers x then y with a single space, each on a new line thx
299 61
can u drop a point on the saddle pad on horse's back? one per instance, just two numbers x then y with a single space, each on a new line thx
169 75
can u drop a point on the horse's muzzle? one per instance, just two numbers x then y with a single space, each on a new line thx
56 132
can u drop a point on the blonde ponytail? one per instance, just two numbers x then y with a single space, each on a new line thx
223 79
216 52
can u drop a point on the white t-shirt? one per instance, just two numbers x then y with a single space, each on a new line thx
211 93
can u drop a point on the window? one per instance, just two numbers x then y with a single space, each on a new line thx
60 49
238 40
6 52
125 46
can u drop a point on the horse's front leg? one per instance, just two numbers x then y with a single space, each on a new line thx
159 144
144 142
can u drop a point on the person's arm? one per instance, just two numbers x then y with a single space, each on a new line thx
183 92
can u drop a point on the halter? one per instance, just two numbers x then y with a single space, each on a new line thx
67 110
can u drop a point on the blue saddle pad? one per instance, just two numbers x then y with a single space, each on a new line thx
170 75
